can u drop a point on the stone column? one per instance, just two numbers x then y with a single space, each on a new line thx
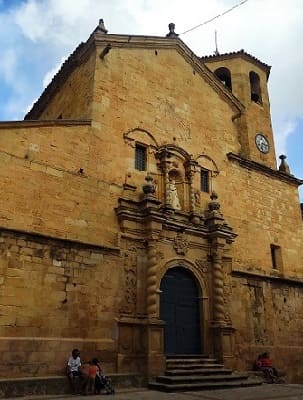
190 175
151 284
190 172
155 327
218 283
219 234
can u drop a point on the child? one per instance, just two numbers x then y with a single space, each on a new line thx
73 368
93 373
96 370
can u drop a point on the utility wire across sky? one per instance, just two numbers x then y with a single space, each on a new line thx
217 16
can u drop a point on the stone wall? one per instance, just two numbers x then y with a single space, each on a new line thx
267 315
49 184
55 295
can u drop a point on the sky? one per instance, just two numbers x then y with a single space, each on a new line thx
36 36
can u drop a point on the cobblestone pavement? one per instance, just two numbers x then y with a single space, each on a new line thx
264 392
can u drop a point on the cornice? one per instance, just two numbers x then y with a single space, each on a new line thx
263 169
36 123
63 241
262 277
142 212
238 54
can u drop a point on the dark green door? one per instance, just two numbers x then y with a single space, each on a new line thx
179 308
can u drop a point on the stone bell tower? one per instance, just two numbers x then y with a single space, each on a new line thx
246 77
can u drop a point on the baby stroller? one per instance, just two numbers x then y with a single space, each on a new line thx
104 382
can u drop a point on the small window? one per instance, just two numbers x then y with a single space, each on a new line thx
276 257
204 180
255 90
140 157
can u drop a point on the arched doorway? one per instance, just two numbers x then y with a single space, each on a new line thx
179 308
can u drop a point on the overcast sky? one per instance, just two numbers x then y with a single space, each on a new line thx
37 35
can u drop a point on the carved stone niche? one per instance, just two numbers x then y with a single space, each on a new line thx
176 166
176 187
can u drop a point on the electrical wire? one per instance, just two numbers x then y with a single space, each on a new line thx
217 16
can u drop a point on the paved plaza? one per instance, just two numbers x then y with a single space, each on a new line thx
264 392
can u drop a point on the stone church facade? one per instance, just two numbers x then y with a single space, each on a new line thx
142 214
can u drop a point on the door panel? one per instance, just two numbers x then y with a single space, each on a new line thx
179 308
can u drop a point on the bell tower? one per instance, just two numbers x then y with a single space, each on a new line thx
246 77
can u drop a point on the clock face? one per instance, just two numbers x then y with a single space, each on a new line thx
262 143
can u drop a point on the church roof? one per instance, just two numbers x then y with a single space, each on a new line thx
236 54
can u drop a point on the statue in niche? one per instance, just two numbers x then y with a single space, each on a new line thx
173 198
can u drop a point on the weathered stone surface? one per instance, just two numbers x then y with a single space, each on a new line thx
83 250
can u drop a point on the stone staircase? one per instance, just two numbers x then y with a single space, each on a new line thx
199 372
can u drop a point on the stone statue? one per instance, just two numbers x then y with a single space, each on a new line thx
173 198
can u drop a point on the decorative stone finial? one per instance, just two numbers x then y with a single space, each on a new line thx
101 27
149 187
172 32
284 167
214 205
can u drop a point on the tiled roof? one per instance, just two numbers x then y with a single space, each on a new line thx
240 53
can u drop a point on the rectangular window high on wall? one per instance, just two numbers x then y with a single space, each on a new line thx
140 157
204 180
276 257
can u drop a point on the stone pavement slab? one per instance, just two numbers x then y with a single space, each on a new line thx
264 392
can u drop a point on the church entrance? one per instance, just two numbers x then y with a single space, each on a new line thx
179 309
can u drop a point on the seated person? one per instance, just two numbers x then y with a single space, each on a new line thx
267 367
258 363
73 368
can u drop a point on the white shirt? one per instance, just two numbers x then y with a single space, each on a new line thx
74 363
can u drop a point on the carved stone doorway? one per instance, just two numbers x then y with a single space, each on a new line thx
179 309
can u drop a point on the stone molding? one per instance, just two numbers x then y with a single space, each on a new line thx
263 169
238 54
66 242
38 123
260 277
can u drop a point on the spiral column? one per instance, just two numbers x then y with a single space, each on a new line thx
151 290
218 285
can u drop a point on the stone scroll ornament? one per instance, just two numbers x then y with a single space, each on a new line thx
130 274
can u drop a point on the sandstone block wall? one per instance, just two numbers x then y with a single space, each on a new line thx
271 320
54 296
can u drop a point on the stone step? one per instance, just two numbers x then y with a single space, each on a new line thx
184 356
191 366
198 378
204 385
191 360
198 371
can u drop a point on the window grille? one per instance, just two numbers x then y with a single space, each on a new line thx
140 158
204 180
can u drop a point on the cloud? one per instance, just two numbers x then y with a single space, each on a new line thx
48 30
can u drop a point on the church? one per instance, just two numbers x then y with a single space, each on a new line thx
143 215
